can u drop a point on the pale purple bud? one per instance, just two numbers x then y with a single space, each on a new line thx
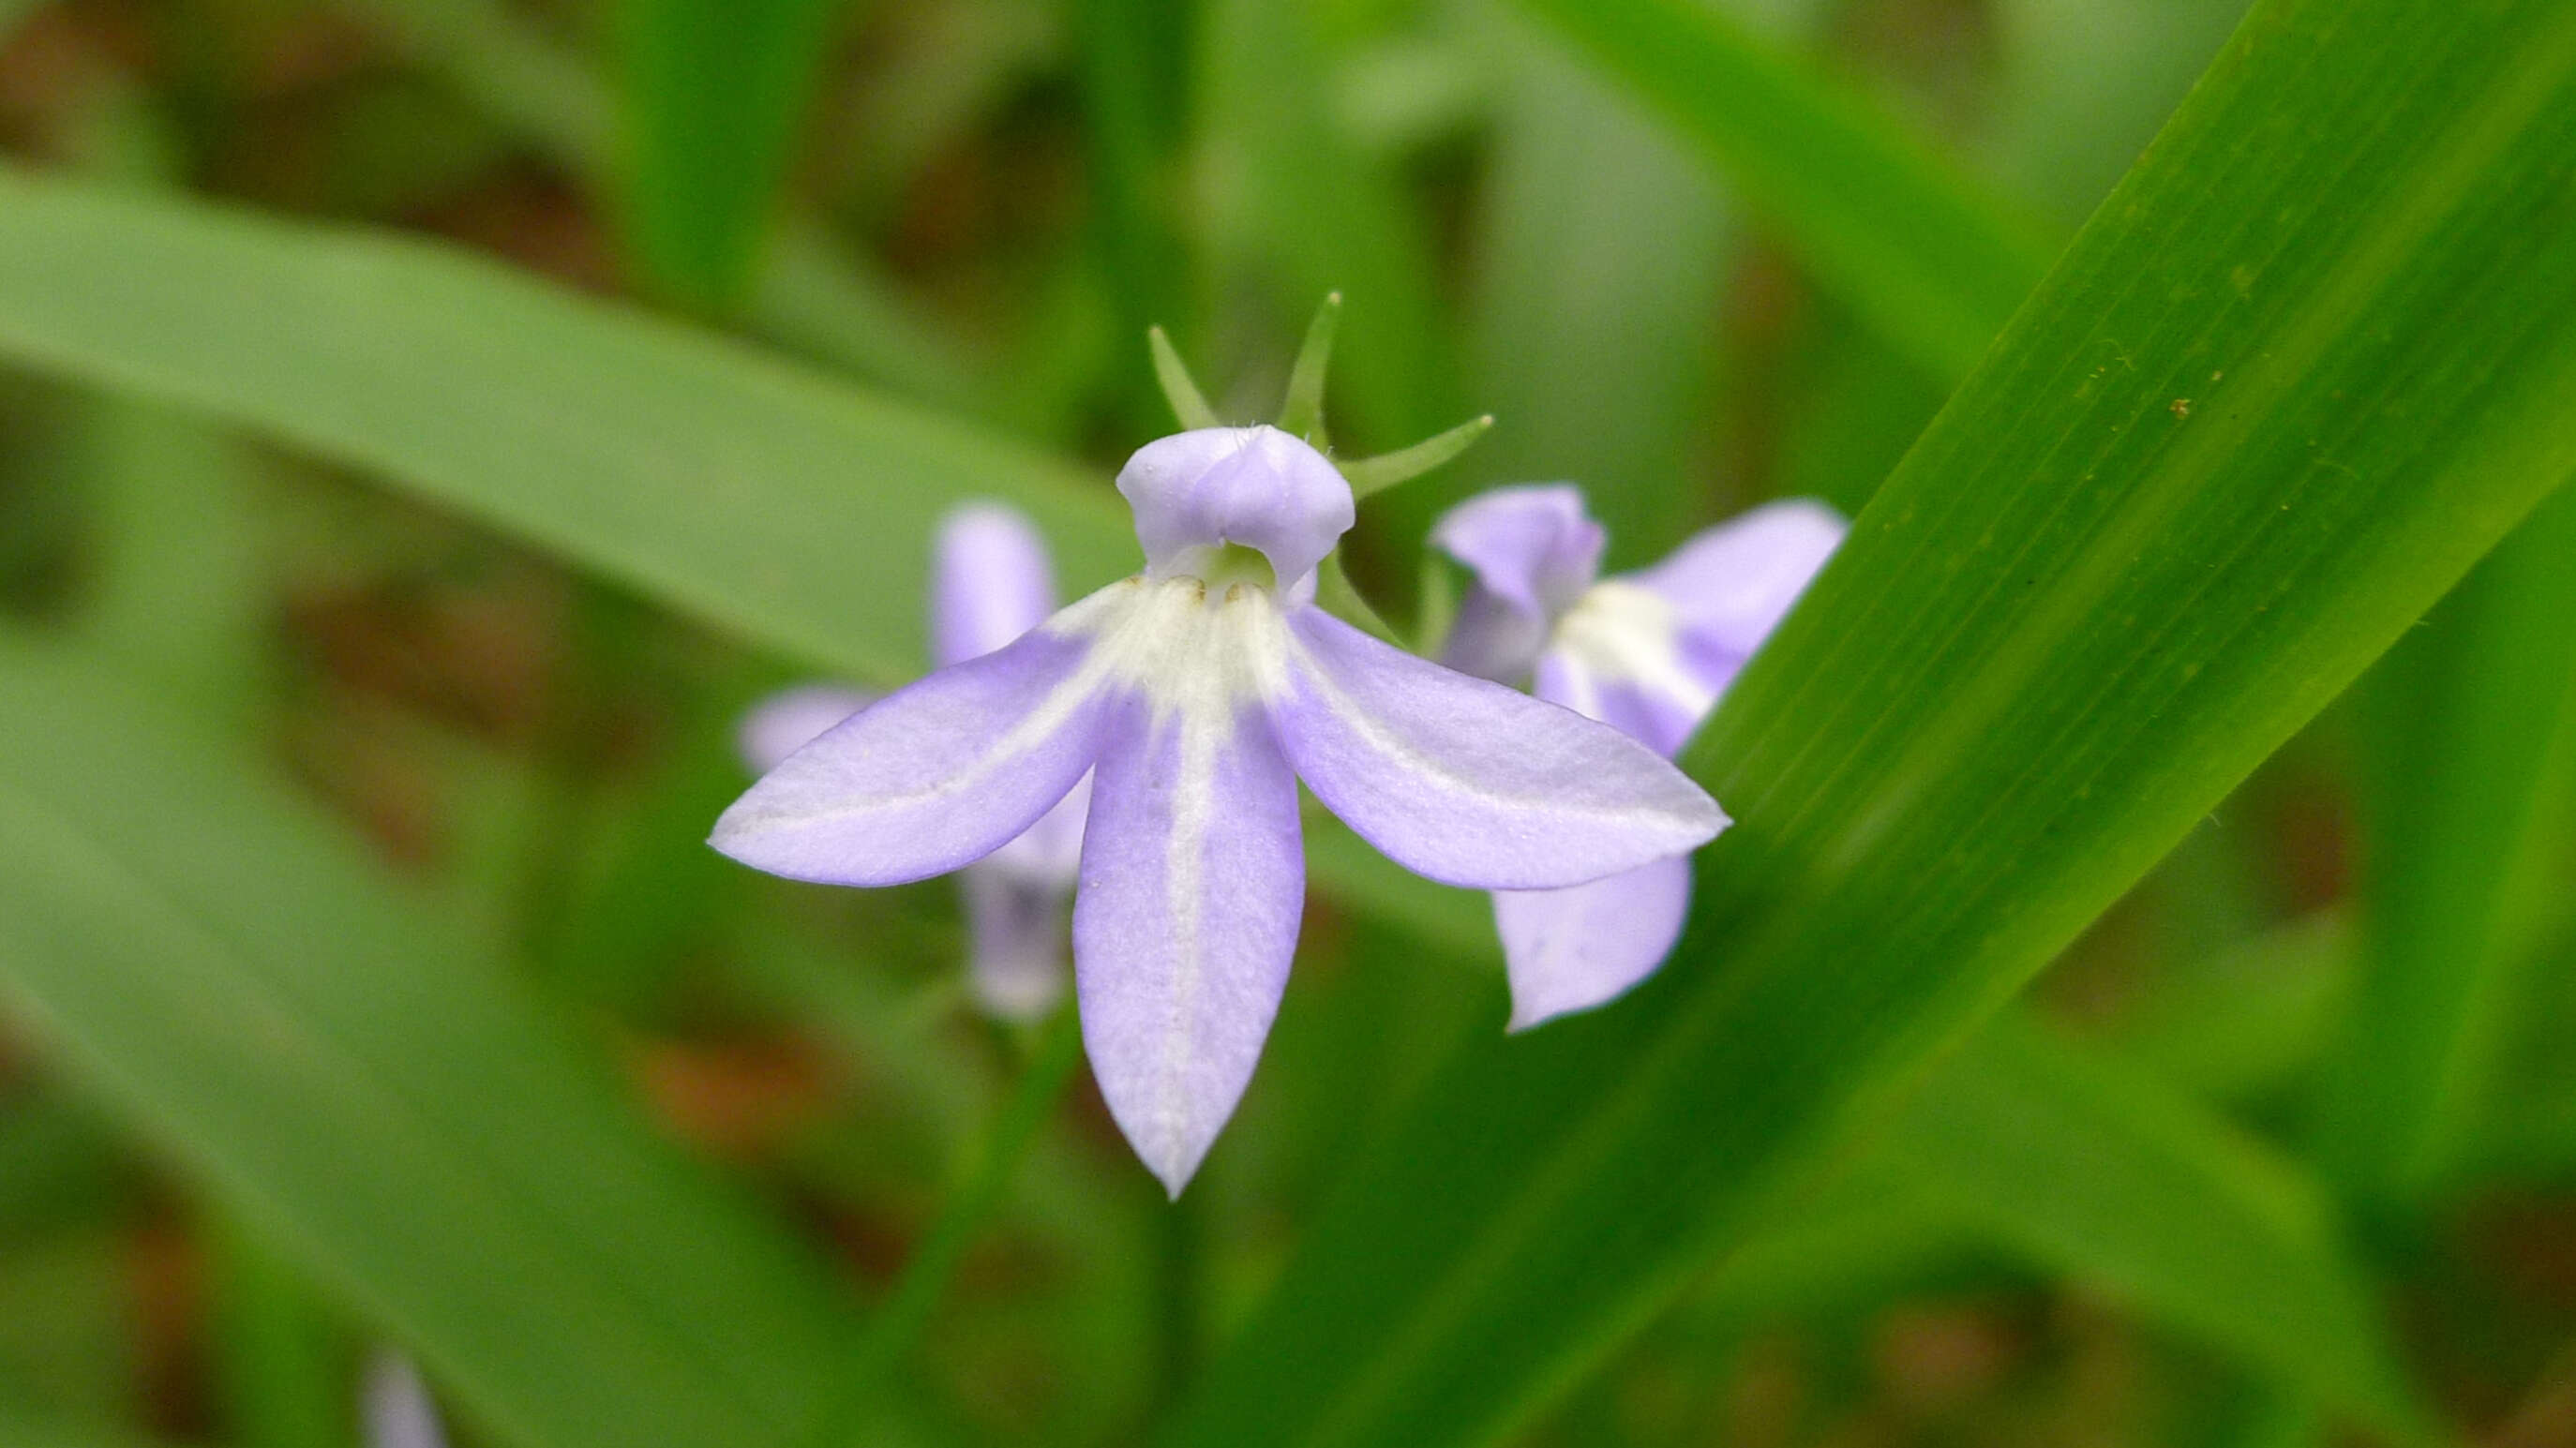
1194 493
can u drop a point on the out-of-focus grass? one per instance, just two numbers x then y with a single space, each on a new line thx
979 207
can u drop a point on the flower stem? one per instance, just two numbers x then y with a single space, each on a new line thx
895 1329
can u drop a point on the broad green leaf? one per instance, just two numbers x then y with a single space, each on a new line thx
2098 1172
2464 715
751 492
712 93
2078 1164
1904 238
372 1096
2297 374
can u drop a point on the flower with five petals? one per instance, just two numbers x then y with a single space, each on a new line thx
1648 652
1197 693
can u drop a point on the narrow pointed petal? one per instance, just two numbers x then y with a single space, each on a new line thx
1572 949
930 777
1017 945
1193 882
785 722
991 582
1468 782
1733 583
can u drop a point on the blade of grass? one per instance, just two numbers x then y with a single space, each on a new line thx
372 1097
1904 238
2077 1163
1602 245
2464 714
711 95
283 1381
2098 1172
1296 210
810 292
2295 377
700 471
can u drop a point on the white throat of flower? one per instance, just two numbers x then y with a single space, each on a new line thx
1622 634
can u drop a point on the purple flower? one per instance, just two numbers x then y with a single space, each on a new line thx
1649 653
1202 690
990 584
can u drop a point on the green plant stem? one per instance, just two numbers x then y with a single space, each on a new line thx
896 1328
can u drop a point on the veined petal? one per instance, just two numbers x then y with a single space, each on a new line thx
787 721
1572 949
1193 882
1255 487
1732 584
934 775
991 582
1468 782
1017 946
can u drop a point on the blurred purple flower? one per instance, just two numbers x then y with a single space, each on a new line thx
990 584
1203 689
1649 653
397 1406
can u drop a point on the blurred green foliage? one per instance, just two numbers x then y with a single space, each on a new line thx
427 424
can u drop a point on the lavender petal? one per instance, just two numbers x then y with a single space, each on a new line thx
930 777
397 1405
1733 583
1572 949
1534 551
1017 931
991 582
1193 882
1468 782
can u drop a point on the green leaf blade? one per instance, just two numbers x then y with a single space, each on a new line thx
712 93
372 1098
2074 618
741 488
1906 239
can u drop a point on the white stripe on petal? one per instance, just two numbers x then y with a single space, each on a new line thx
944 771
1193 881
